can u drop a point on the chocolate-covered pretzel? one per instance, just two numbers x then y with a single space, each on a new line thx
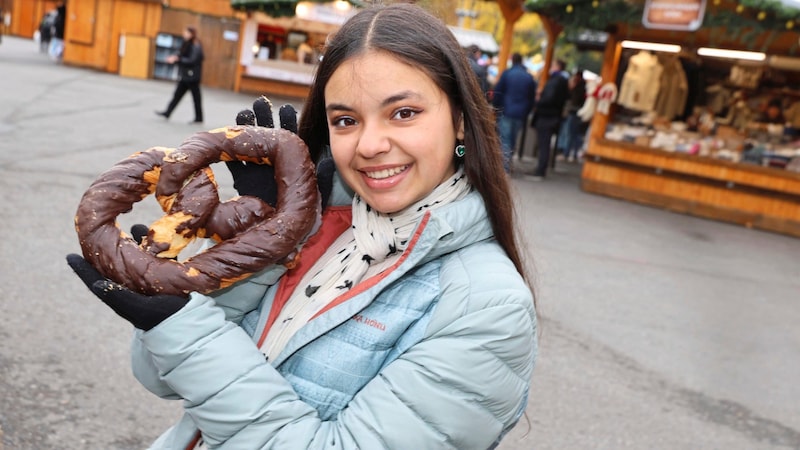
251 235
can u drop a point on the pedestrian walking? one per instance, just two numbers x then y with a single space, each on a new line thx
408 321
56 48
514 97
46 28
190 64
474 55
573 129
547 118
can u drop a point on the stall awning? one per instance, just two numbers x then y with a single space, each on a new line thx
271 7
286 8
484 40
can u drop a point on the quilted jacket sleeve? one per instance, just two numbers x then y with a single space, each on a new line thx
461 387
235 301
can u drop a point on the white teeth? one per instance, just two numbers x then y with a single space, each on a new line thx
386 173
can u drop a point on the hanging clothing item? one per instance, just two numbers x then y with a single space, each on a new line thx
792 115
641 82
719 97
671 99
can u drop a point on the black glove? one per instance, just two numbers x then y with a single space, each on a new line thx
138 232
259 179
144 312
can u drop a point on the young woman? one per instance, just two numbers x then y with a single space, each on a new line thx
190 70
408 322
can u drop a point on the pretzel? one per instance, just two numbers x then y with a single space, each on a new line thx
251 235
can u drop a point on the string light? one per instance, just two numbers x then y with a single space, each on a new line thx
654 46
732 54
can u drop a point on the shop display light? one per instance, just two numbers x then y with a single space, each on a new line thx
731 54
669 48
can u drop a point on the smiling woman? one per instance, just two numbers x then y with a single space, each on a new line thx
393 142
408 320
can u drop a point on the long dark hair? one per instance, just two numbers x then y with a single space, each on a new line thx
412 35
186 47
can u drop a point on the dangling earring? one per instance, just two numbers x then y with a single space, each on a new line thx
460 150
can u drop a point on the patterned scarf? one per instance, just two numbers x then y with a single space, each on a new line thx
376 238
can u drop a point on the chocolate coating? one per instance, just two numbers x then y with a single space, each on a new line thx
251 235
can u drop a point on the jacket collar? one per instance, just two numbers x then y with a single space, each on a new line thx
441 231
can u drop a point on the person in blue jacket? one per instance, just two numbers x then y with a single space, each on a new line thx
409 321
514 97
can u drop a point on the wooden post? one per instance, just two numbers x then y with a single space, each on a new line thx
237 77
608 74
553 29
512 11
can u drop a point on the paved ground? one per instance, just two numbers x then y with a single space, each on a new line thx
659 330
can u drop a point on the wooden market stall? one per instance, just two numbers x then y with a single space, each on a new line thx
269 60
696 159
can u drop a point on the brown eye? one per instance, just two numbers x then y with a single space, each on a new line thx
405 113
341 122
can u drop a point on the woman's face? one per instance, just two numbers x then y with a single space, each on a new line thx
391 130
187 34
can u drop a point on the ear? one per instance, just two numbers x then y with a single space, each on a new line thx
460 129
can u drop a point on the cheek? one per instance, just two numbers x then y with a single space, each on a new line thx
339 147
342 151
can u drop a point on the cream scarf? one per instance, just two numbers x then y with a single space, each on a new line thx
376 237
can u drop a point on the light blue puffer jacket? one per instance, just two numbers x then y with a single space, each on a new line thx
435 353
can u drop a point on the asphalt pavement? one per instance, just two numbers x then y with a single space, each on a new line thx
658 330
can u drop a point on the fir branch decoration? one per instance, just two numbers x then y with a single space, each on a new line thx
734 17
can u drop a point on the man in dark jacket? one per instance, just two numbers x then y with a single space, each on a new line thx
549 111
514 97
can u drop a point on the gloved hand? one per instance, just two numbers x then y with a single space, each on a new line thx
144 312
258 180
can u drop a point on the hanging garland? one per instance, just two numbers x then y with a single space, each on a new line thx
276 8
755 16
270 8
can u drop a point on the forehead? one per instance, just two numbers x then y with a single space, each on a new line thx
377 72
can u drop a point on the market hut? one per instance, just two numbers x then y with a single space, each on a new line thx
683 121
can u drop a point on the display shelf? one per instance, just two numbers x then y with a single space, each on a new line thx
166 45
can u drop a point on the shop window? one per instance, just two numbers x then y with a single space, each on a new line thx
270 43
166 45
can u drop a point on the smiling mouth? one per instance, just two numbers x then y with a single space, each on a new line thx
386 173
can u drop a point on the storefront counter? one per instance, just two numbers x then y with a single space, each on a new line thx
277 77
747 194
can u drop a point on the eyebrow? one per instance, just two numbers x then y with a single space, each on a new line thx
387 101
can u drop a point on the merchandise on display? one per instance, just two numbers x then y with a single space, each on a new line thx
733 110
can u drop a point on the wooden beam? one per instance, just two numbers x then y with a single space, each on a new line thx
512 11
553 29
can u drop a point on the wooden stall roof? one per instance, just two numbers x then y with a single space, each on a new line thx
758 25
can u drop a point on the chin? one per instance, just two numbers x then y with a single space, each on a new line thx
390 207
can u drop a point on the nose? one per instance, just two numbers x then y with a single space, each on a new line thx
373 140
